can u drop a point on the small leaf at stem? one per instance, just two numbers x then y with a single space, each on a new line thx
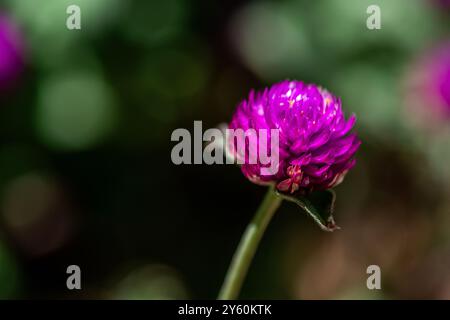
319 205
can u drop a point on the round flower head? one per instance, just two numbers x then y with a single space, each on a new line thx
314 148
11 53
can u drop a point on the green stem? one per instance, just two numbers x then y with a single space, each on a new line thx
248 245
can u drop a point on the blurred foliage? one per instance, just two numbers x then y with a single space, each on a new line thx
85 170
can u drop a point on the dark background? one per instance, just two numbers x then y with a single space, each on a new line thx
86 176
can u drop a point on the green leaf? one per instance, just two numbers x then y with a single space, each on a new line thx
319 205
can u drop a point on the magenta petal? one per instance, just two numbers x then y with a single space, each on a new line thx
315 147
316 171
347 127
303 160
324 157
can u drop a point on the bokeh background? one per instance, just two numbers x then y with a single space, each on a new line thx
86 176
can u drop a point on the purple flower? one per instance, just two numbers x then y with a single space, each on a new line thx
436 67
428 88
445 4
315 148
11 53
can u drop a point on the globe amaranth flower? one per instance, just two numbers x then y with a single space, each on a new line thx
315 150
11 52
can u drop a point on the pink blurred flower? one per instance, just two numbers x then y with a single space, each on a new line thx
428 87
11 53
